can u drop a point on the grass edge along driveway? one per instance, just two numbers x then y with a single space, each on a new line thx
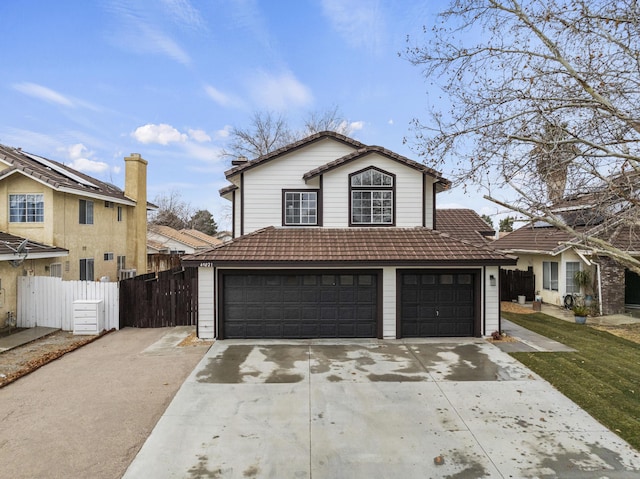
602 377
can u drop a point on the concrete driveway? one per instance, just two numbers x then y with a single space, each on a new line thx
374 409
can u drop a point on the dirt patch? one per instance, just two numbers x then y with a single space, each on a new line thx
511 307
22 360
194 340
626 331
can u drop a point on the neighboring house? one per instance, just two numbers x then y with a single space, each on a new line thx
74 226
164 239
334 238
165 245
554 255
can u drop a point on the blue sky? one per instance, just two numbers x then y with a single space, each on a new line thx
89 82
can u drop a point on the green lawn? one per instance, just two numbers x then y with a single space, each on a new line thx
603 376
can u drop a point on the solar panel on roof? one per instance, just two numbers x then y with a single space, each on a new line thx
59 169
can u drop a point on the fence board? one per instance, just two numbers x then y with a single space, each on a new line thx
514 283
46 301
154 300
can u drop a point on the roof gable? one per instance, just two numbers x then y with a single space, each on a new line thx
368 150
293 147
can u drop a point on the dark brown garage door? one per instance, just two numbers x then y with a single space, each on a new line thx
436 304
295 305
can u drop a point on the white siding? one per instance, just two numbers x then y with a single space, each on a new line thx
263 185
491 301
428 202
206 303
409 186
389 303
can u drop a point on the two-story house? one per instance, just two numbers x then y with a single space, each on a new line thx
69 224
337 239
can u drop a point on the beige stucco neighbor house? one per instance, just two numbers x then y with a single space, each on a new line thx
333 238
70 225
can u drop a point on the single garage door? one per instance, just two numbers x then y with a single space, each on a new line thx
435 304
297 305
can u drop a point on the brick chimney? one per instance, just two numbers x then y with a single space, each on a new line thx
135 188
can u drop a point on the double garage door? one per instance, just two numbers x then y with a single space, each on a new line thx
344 304
300 305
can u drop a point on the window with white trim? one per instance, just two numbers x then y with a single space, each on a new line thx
550 275
300 208
108 256
26 208
372 197
570 284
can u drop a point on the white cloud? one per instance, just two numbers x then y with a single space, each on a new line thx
89 166
359 22
356 125
390 122
200 136
182 12
138 31
81 159
221 98
162 134
43 93
279 92
224 133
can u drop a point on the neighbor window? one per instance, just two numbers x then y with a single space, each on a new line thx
86 212
108 256
300 208
26 208
572 268
86 269
119 213
550 275
55 270
372 195
122 262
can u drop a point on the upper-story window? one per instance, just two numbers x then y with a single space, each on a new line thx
86 212
300 208
26 208
372 194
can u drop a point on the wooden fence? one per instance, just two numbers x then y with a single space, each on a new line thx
47 301
156 300
514 283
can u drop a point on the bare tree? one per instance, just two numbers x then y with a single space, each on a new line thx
328 120
269 131
172 211
535 93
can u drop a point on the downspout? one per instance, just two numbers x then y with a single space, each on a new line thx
598 274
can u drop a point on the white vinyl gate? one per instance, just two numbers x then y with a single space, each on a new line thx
47 301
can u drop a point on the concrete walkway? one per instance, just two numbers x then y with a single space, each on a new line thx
23 337
567 315
384 409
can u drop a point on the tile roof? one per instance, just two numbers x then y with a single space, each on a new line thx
464 224
294 146
342 246
9 244
199 235
178 236
361 152
57 175
538 239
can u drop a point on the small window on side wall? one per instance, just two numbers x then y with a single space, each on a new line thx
300 208
86 212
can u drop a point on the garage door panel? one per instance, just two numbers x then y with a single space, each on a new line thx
436 304
299 305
